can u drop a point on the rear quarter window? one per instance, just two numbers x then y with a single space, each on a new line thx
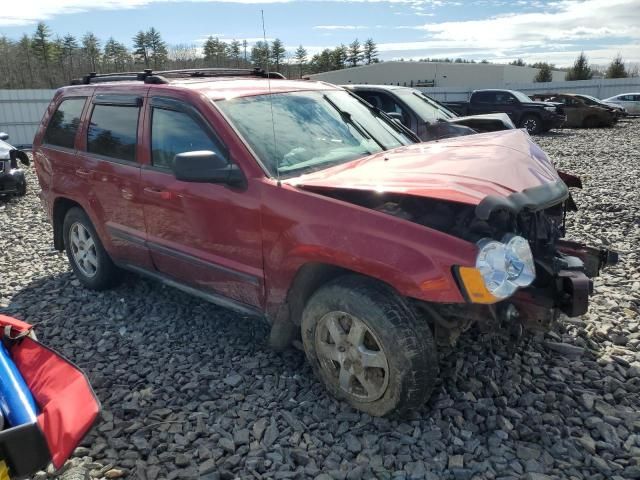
113 131
63 124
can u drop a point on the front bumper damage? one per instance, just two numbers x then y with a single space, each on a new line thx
564 269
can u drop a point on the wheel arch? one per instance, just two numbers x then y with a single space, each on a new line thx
286 318
61 206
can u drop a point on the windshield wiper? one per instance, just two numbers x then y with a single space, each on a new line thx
348 118
398 127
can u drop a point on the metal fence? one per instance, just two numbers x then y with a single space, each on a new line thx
21 112
601 88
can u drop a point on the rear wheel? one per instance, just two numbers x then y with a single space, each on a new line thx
88 258
367 346
531 123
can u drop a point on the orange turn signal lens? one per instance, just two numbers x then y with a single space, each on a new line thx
474 286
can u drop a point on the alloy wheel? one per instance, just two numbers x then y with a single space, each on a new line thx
351 356
83 249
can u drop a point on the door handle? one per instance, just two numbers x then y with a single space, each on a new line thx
156 192
83 173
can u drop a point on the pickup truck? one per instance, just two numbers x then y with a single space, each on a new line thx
428 119
536 117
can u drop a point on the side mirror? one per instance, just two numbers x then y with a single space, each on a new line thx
206 166
4 136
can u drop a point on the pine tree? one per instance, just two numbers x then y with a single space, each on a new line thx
234 52
339 57
277 53
260 55
544 72
354 55
617 68
115 54
518 63
580 70
370 52
141 48
42 48
91 50
157 48
69 50
301 58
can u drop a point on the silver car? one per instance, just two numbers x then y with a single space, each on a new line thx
630 102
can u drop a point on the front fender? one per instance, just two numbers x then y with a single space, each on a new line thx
301 227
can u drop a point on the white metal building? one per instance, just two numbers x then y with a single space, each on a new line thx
435 74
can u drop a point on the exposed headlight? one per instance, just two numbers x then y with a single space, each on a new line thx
550 109
505 266
501 268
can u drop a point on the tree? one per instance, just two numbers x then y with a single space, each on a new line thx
277 53
234 52
43 48
354 55
141 48
115 55
68 51
91 50
616 68
157 48
518 63
580 69
370 51
215 51
339 57
544 72
301 58
260 55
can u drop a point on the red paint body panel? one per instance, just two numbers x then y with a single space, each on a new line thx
463 169
248 244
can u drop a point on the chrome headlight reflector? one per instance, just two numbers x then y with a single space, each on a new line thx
505 266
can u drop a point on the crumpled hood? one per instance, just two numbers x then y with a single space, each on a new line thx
464 169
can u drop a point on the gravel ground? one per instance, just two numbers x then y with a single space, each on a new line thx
189 389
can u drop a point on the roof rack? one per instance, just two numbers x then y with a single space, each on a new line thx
163 76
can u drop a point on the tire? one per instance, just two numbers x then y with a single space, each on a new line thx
22 188
400 346
532 123
99 273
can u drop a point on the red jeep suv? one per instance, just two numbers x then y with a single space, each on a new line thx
301 203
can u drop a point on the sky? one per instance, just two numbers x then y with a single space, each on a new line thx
554 31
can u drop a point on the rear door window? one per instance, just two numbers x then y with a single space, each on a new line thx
113 131
64 123
484 97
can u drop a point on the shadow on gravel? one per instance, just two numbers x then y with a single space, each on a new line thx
185 384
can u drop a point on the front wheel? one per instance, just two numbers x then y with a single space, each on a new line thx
531 123
367 346
88 258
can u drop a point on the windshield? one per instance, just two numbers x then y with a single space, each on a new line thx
590 100
313 130
427 109
521 96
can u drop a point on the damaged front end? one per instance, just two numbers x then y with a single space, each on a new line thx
562 269
560 280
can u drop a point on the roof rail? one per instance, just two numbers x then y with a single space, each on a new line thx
149 76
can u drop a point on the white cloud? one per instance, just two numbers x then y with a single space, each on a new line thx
565 20
26 12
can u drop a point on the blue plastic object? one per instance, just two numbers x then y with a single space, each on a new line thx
16 402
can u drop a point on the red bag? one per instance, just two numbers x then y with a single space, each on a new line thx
67 405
